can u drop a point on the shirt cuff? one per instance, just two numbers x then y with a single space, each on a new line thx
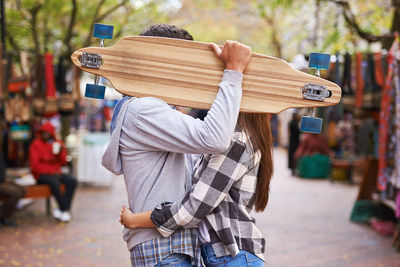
156 217
233 77
161 214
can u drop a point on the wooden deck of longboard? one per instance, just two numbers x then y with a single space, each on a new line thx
187 73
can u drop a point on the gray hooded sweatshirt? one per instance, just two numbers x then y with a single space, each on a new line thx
149 143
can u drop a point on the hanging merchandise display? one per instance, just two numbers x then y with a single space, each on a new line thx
2 76
392 184
65 101
346 78
51 107
371 85
384 120
379 76
38 85
360 81
372 88
371 132
396 174
17 108
20 132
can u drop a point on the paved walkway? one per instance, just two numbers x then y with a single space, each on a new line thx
306 224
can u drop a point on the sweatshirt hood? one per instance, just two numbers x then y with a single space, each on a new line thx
112 158
48 127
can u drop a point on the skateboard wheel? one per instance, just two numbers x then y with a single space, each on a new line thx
311 124
103 31
95 91
319 61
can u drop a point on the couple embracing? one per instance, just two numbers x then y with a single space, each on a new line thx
192 183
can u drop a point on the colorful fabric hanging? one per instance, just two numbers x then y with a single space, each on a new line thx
370 73
384 120
50 83
337 70
346 78
360 81
379 76
335 113
396 173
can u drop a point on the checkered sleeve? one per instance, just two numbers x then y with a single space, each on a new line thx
215 180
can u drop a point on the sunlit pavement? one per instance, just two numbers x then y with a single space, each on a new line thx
306 224
92 238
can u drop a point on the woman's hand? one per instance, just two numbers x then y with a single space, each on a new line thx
131 220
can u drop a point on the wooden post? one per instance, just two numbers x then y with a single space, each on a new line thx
48 206
2 75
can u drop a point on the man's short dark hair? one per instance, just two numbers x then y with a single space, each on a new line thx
166 30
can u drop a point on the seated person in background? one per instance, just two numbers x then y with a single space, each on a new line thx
312 157
47 155
311 144
12 193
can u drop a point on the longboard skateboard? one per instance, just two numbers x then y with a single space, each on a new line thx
188 73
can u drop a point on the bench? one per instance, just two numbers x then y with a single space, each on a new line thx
39 191
348 166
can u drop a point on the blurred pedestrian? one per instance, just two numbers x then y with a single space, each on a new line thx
311 144
47 155
294 140
11 192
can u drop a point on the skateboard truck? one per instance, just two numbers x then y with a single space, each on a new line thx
315 92
94 61
91 60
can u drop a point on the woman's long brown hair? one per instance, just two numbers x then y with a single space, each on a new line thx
258 128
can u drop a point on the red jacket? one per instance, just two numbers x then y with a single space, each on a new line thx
42 159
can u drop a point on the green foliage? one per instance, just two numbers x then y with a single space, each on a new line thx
276 27
288 27
53 19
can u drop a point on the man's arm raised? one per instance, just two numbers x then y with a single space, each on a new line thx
164 129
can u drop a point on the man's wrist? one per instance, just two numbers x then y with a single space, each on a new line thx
235 68
233 76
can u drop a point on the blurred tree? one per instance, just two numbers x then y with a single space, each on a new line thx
285 28
61 27
370 19
280 28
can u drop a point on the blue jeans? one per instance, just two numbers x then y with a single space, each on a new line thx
242 259
178 260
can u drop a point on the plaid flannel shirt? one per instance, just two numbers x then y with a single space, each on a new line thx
222 195
150 253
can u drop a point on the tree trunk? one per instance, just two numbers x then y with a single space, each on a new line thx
385 39
34 11
387 42
317 22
